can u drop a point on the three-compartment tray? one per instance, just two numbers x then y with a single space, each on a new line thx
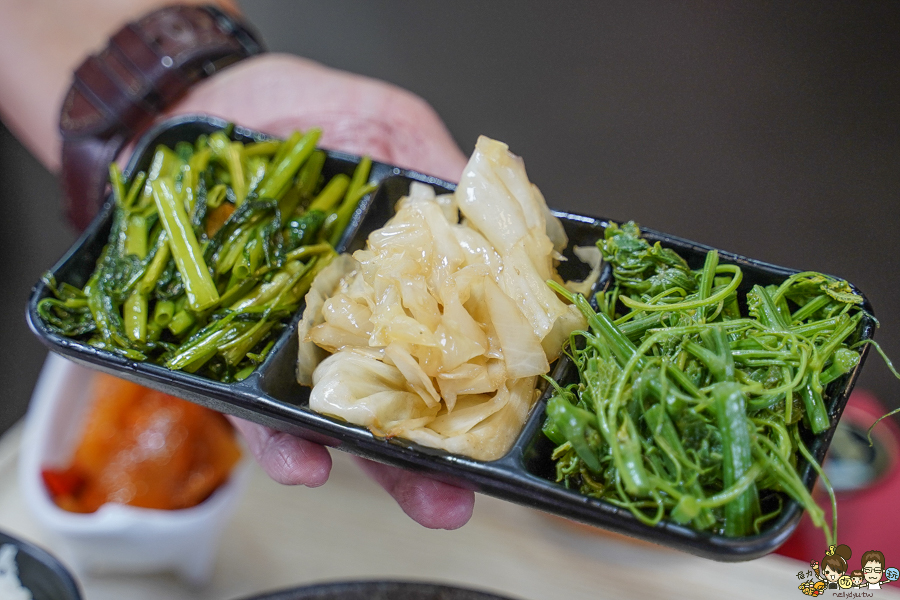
271 395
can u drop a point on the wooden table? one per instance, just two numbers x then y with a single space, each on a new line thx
350 529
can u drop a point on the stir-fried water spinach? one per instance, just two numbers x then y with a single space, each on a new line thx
691 400
211 251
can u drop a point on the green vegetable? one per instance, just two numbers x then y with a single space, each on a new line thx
211 252
355 192
688 410
200 288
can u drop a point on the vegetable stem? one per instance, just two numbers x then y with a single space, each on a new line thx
201 290
737 456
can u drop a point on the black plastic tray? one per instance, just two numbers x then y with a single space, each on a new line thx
271 395
378 590
44 576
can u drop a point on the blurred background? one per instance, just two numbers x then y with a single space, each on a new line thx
770 130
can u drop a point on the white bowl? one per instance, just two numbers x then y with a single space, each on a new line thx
116 538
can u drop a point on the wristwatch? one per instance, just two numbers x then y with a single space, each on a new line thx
147 65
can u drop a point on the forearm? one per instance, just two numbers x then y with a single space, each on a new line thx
42 42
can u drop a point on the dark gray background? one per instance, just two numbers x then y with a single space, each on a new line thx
769 129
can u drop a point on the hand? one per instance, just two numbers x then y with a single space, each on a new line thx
278 94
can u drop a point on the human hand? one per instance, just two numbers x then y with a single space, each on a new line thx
278 94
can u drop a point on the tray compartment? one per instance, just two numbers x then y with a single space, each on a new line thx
537 449
277 379
78 264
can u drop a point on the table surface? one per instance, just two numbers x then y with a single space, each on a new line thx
350 529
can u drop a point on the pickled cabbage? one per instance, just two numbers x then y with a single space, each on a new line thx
439 329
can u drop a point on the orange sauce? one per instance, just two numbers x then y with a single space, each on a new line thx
144 448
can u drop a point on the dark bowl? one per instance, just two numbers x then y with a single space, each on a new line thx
43 575
271 395
377 590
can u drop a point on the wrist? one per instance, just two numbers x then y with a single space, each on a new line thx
49 39
147 66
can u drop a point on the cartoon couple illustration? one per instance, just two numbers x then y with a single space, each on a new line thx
833 571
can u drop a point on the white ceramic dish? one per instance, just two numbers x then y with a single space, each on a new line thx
116 538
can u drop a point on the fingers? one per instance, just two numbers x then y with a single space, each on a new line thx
287 459
290 460
430 503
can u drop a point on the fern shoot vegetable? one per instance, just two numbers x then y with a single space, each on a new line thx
689 409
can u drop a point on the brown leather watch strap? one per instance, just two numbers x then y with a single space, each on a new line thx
115 94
